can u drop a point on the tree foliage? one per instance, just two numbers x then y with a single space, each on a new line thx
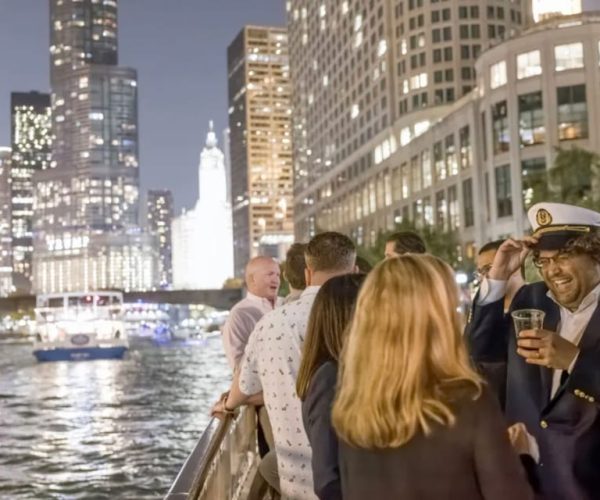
574 178
233 283
442 244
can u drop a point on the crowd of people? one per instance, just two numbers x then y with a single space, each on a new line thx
369 383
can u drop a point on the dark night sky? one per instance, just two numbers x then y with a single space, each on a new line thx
179 50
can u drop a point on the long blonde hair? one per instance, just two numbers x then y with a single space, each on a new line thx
404 361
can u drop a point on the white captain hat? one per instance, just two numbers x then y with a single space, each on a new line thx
555 224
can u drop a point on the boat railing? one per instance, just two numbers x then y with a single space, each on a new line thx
223 464
78 313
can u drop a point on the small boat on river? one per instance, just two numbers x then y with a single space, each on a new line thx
80 326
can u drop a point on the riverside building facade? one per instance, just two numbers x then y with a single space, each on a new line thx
260 144
461 164
86 214
6 282
31 139
159 215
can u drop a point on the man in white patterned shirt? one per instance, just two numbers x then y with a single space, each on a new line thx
272 359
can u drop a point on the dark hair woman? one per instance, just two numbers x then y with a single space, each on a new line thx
315 385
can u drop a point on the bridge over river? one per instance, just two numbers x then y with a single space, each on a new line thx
219 299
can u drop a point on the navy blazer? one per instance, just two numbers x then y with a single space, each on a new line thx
567 426
316 416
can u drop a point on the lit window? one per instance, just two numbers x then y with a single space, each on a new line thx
355 111
345 7
529 64
572 112
418 81
531 119
568 56
385 149
358 40
421 127
378 155
382 48
498 74
405 136
503 191
322 10
357 22
500 128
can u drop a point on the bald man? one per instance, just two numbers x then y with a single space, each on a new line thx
262 283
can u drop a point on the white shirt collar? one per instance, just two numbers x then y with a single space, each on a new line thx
256 298
310 290
591 299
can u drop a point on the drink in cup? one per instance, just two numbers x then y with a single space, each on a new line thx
528 319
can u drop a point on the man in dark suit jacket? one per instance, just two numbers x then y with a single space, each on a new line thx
552 374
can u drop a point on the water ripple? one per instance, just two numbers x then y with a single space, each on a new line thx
103 429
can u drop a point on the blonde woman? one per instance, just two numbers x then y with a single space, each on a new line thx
414 419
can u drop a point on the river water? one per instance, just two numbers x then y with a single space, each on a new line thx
104 429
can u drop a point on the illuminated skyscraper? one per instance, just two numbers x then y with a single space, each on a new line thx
368 78
375 147
31 139
202 239
260 143
186 241
5 238
159 215
227 153
87 202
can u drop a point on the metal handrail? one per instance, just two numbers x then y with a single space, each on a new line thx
190 479
223 462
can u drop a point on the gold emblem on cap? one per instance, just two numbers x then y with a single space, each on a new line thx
543 217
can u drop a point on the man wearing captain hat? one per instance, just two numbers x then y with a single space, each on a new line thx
552 375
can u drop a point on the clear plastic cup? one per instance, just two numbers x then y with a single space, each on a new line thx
528 319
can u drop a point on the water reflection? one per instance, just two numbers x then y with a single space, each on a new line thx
103 429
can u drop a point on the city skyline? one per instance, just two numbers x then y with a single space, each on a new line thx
172 123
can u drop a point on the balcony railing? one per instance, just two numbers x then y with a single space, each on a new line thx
224 463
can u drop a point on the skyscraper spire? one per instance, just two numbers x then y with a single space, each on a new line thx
211 137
